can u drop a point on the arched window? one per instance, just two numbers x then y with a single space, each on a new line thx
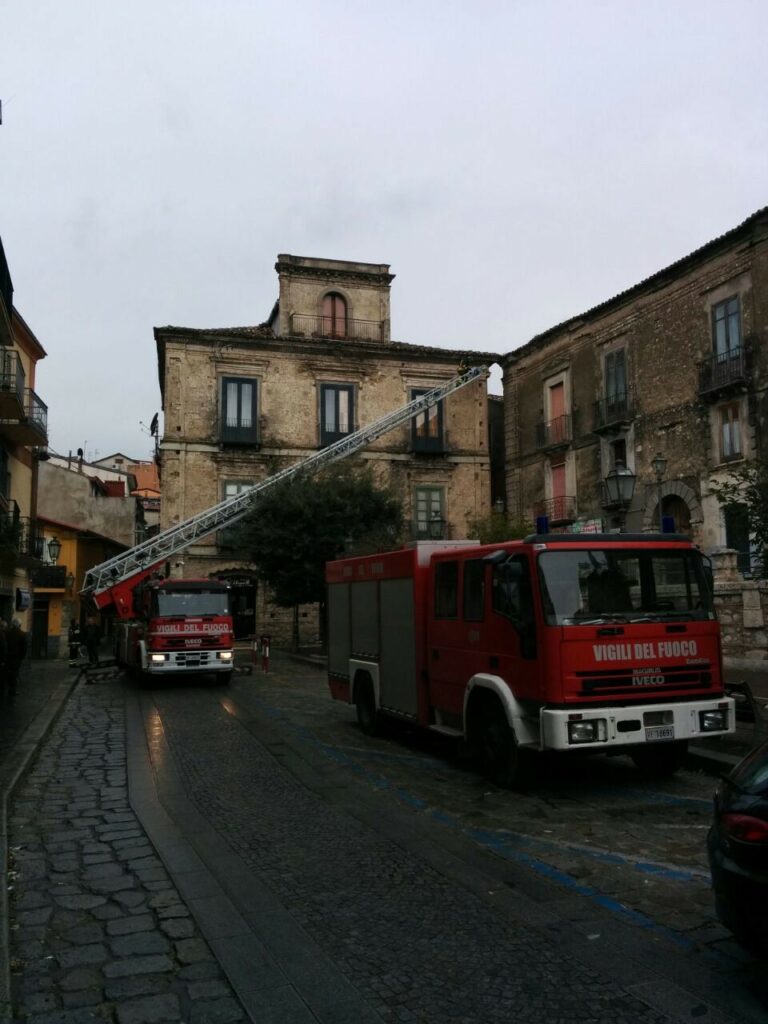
334 316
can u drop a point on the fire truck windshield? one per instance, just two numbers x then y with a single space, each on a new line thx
192 602
623 585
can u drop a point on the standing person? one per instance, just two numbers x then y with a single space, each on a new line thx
73 638
16 650
92 636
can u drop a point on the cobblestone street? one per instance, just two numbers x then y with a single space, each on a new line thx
193 853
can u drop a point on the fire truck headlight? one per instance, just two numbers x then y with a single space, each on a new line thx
225 655
591 730
713 721
158 658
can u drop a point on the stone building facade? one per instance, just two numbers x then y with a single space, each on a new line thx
241 403
675 366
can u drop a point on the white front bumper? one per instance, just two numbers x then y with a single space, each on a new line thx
683 717
190 661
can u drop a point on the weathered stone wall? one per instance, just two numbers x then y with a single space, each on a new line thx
664 326
742 607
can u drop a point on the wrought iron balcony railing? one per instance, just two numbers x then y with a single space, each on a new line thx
27 424
723 371
614 410
559 510
335 327
555 433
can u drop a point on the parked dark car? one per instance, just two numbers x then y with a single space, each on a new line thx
738 849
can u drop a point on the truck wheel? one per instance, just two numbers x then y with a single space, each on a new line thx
660 760
223 678
365 705
503 761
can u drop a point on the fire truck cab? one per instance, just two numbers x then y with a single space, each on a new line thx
607 642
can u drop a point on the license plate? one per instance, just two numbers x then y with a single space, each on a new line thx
659 732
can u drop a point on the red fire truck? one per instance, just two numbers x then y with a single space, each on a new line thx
178 627
557 642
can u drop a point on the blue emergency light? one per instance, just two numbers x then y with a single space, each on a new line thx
542 524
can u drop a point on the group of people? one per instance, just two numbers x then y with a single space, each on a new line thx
13 650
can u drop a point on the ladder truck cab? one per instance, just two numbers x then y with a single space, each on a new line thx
180 627
607 643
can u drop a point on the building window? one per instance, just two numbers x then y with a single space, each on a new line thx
232 488
736 519
730 433
229 536
336 412
615 381
726 328
427 426
334 316
429 518
239 423
618 451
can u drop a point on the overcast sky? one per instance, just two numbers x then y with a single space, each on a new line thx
514 162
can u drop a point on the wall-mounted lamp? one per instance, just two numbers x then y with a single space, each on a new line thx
54 549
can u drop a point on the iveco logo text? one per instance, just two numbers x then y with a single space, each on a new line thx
649 651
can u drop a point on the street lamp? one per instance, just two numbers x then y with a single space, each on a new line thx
498 506
69 581
620 486
54 550
659 466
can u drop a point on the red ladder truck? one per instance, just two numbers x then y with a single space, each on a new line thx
558 642
170 626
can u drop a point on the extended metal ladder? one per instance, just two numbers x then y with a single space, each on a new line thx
166 544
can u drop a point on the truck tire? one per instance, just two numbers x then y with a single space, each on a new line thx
660 760
365 706
223 678
503 761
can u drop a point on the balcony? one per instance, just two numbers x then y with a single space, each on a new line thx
560 510
613 412
557 433
335 327
30 424
21 539
723 373
11 385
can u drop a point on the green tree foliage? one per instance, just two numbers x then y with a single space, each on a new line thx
299 525
496 527
744 496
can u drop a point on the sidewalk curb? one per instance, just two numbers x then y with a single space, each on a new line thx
22 756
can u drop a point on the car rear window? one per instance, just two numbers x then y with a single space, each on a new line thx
751 775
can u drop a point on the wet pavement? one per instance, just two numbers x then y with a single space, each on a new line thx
203 853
